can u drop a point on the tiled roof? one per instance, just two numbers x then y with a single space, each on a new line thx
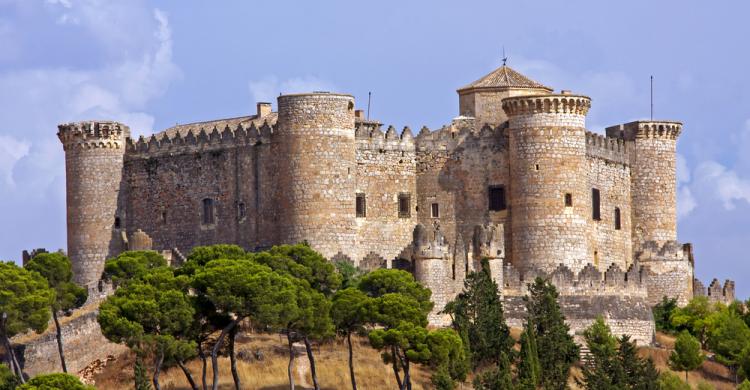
505 77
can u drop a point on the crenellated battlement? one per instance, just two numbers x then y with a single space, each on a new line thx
645 129
372 138
93 134
715 291
607 148
589 281
448 138
200 140
547 104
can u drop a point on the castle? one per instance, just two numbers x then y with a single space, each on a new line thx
515 178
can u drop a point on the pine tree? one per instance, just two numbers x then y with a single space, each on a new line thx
640 374
528 365
552 334
603 370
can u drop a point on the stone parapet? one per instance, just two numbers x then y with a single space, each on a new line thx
93 134
610 149
375 139
645 129
547 110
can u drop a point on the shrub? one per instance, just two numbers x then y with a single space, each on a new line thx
54 382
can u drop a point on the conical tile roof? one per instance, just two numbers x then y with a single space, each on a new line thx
504 77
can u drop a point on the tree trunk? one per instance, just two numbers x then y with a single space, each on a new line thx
157 369
351 361
407 375
188 375
233 359
291 360
204 363
59 341
311 358
17 367
395 367
215 352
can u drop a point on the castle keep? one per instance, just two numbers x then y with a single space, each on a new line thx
515 178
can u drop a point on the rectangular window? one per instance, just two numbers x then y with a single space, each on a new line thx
241 211
404 206
596 213
568 200
618 226
435 210
208 211
361 206
497 198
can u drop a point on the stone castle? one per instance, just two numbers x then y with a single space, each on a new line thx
515 178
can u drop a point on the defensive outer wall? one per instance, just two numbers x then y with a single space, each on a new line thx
515 178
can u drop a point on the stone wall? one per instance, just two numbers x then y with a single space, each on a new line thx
83 343
671 270
386 168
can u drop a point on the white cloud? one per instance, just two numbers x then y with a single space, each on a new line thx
267 89
11 150
686 202
727 186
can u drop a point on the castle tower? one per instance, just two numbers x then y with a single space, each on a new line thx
483 98
94 153
654 178
315 147
550 199
432 268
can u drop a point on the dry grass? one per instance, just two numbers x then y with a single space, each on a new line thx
271 373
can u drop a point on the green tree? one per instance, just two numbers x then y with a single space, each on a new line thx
350 314
728 337
477 313
407 344
603 370
663 314
8 379
153 315
670 381
57 270
745 385
384 281
694 317
54 382
640 374
687 355
245 289
496 377
25 299
529 368
447 355
132 265
350 274
552 334
302 262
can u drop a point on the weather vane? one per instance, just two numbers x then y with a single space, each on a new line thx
505 58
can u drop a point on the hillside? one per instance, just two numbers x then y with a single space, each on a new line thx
333 371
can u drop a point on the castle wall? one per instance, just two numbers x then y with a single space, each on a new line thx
456 167
608 244
386 167
169 180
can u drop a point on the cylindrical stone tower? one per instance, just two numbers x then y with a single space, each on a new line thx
315 150
654 179
549 195
94 153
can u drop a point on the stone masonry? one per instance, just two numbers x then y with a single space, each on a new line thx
516 178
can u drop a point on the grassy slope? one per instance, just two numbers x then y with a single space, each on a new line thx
333 370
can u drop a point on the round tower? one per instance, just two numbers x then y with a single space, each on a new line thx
315 147
653 180
94 153
550 200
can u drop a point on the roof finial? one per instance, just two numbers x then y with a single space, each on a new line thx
505 58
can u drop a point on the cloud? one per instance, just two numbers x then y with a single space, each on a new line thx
11 150
728 187
267 89
131 65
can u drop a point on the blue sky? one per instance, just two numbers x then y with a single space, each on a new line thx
153 64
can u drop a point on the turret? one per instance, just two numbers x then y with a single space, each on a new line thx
654 178
432 268
94 153
314 145
550 200
488 242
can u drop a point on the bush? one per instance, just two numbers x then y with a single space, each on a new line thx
745 385
441 379
8 380
670 381
54 382
705 386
